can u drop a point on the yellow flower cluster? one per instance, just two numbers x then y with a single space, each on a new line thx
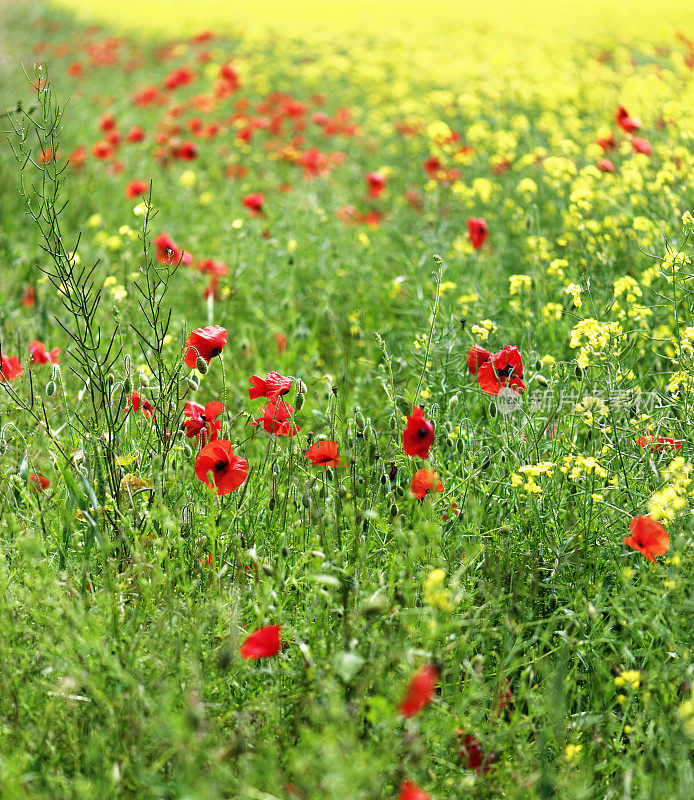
436 593
666 503
592 338
528 475
576 465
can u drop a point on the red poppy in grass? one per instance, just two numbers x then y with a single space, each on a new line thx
418 435
29 296
77 157
473 757
216 269
605 165
228 471
504 368
107 122
420 691
607 143
75 69
376 181
626 123
410 791
658 443
281 343
478 231
140 403
136 188
40 356
271 387
39 482
179 77
205 343
102 150
186 151
648 537
201 421
425 481
168 252
135 134
275 419
641 146
10 368
254 202
324 454
263 643
476 357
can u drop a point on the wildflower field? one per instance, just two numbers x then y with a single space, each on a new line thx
346 390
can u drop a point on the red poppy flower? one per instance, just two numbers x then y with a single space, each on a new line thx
136 188
281 343
205 343
478 231
656 444
271 387
504 368
102 150
10 368
324 454
107 122
29 297
228 471
607 143
275 419
641 146
418 435
376 181
410 791
648 537
39 481
216 269
135 134
186 151
201 421
626 123
40 356
476 357
179 77
605 165
140 403
168 251
424 482
254 203
473 757
263 643
420 691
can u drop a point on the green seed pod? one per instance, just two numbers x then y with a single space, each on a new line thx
50 388
201 365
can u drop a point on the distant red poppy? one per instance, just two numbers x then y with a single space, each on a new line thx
10 368
205 343
272 386
658 443
228 471
473 757
376 181
607 143
275 419
179 77
263 643
39 481
425 481
281 343
626 123
648 537
201 421
102 150
605 165
107 122
478 231
168 252
136 188
140 403
504 368
215 269
40 356
77 157
135 134
186 151
255 203
323 454
476 357
418 435
28 296
420 691
640 145
410 791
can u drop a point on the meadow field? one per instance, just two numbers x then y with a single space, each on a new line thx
346 390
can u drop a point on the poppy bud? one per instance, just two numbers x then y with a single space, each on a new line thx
50 388
321 492
538 365
124 400
144 381
284 551
268 569
127 385
541 380
187 450
453 403
578 372
492 409
448 441
460 446
193 383
225 658
592 613
201 365
394 510
359 420
299 402
342 491
305 501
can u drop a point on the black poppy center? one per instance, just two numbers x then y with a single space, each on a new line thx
221 467
423 432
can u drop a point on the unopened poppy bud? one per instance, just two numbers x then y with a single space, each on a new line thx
578 372
284 551
127 385
321 492
305 501
300 386
448 441
144 381
492 409
124 399
538 365
459 446
359 420
268 569
591 611
193 383
299 402
201 365
271 504
187 450
394 510
342 490
50 388
541 380
453 403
